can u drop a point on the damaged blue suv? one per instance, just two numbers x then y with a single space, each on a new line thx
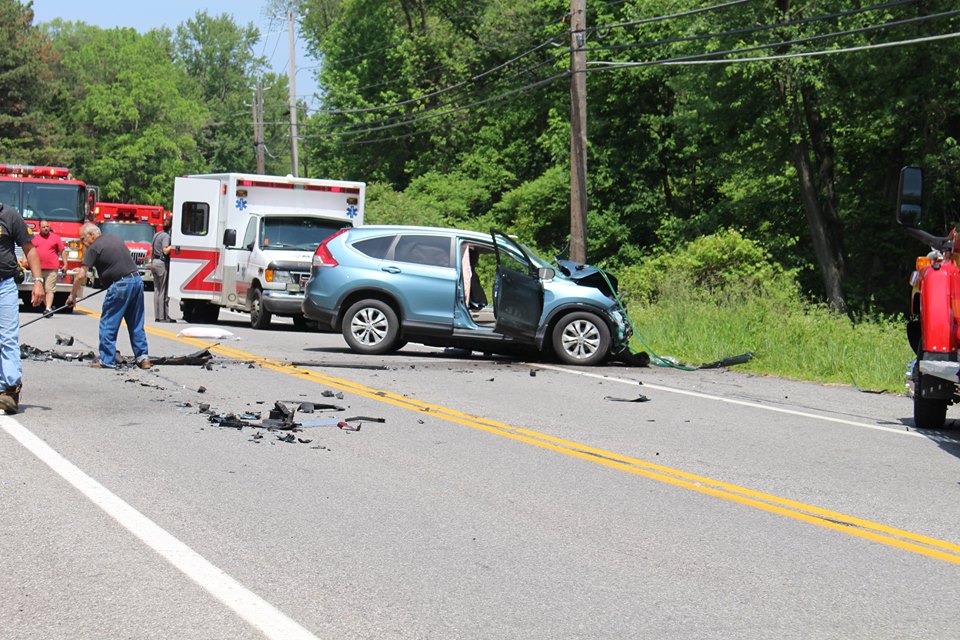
384 286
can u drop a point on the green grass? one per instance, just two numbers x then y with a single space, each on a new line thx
787 336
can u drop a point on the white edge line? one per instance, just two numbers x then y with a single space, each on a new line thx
744 403
246 604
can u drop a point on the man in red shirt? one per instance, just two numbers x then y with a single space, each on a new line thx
50 249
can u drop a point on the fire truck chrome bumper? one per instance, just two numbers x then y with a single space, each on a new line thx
941 369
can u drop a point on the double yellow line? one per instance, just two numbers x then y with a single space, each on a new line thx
876 532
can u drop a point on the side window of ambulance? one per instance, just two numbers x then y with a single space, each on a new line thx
195 219
250 235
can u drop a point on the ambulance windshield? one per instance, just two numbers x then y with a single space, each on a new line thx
296 234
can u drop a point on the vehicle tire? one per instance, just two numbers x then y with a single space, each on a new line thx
371 327
207 313
259 317
189 311
581 338
929 413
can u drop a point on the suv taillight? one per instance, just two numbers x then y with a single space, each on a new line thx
322 256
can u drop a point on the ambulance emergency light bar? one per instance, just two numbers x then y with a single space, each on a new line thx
288 185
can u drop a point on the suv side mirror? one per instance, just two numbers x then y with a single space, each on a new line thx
546 273
910 197
229 237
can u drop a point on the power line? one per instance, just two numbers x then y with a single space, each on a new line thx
801 54
746 30
668 16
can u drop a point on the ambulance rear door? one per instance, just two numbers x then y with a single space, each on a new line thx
196 267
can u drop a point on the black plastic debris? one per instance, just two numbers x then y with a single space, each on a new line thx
229 421
280 411
304 440
202 389
727 362
640 398
364 419
200 358
306 407
638 359
65 340
203 407
28 352
287 438
330 394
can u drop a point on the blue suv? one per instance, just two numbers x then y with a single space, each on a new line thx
383 286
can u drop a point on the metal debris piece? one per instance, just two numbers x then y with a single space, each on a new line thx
280 411
65 340
203 407
250 415
330 394
347 427
640 398
306 407
229 421
322 422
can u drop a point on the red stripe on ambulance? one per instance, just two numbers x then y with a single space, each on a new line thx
199 280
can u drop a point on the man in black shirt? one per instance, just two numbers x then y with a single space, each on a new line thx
118 273
13 231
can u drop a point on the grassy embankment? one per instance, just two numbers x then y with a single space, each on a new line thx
719 300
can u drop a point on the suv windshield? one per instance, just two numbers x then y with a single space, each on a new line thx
295 234
129 231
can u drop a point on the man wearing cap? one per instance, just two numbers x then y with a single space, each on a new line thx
119 274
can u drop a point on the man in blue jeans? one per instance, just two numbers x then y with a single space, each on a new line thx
118 273
13 231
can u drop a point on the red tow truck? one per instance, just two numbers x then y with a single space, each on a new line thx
53 194
136 224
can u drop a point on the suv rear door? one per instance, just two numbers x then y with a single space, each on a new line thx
517 290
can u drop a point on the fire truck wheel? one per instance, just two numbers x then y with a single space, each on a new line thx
929 413
259 317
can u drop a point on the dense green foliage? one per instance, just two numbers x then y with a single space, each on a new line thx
786 122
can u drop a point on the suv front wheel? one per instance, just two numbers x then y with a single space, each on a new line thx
581 338
371 327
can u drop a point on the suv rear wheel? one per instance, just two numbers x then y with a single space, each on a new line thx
371 327
581 338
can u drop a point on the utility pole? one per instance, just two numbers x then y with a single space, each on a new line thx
294 161
578 131
258 127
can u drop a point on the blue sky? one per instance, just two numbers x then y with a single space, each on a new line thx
144 16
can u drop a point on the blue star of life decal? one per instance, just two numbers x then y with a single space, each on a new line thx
241 203
353 211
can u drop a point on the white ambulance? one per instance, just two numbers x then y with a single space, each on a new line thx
245 241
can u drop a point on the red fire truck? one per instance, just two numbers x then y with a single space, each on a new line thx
136 224
53 194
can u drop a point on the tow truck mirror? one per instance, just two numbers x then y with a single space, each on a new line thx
910 197
229 237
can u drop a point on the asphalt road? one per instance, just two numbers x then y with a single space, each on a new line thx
496 499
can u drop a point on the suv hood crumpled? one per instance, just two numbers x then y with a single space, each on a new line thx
589 276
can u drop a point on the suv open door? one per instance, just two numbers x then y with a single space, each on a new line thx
517 290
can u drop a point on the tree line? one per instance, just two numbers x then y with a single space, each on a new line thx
786 122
